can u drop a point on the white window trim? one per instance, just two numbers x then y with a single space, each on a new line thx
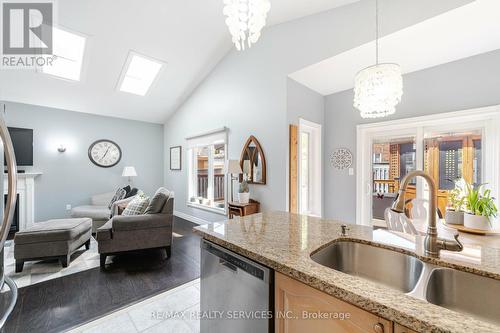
487 117
222 133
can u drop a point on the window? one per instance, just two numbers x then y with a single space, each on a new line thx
140 73
207 179
452 156
447 146
69 49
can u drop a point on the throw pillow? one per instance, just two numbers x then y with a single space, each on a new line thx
127 189
136 207
131 193
158 201
119 194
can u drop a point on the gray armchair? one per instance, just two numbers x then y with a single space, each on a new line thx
129 233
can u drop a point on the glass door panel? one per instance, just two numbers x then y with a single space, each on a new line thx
392 159
451 156
304 173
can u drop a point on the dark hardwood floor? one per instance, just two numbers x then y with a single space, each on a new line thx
59 304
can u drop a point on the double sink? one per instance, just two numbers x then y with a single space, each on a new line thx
452 289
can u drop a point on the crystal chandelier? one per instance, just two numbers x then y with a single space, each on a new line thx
378 88
245 19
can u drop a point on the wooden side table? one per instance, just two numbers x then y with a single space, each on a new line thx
240 209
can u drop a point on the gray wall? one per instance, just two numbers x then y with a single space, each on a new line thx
305 103
469 83
70 177
247 91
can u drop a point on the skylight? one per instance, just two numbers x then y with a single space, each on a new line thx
139 75
69 49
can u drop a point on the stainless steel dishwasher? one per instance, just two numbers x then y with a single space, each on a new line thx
236 294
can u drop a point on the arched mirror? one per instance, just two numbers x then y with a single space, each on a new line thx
253 162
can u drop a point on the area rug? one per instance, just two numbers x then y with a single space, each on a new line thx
39 271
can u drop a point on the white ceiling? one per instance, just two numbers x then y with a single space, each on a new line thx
460 33
189 35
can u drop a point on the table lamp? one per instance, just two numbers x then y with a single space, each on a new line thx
129 171
233 168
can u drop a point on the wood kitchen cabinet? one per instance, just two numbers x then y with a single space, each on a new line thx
297 306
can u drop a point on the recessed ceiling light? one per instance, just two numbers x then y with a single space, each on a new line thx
69 49
140 73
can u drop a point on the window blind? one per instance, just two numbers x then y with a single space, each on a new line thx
217 136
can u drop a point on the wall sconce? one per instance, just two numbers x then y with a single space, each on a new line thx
61 149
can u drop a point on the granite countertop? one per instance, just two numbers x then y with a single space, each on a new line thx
285 241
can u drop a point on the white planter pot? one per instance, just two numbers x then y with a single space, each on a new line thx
454 217
244 197
476 222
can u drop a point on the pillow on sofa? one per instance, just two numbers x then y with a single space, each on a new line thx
137 206
119 194
158 201
127 189
131 193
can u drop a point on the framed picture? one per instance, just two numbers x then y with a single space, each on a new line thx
175 158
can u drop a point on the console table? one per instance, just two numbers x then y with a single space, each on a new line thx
241 209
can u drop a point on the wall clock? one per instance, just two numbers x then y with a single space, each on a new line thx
105 153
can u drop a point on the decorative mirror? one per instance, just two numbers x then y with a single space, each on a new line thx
253 162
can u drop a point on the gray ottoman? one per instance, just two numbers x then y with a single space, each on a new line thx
53 239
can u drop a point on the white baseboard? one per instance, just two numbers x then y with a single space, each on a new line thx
190 218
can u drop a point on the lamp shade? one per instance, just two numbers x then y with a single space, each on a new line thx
129 171
233 167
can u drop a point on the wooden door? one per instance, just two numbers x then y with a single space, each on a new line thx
293 177
297 304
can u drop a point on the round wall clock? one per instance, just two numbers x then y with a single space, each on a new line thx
105 153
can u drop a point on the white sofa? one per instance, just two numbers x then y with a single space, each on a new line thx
98 209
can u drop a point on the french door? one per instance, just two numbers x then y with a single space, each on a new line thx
448 146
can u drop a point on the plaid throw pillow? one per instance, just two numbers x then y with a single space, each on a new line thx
119 194
137 206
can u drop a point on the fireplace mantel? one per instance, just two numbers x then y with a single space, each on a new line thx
26 191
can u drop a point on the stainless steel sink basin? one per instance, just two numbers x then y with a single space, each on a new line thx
465 292
390 268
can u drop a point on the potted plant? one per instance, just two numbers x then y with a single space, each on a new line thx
455 211
243 192
480 207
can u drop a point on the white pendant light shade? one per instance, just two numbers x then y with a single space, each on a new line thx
245 19
377 90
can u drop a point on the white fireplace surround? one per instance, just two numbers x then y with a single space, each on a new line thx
26 203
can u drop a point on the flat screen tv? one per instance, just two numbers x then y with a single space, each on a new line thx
22 140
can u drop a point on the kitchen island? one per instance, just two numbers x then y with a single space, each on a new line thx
284 242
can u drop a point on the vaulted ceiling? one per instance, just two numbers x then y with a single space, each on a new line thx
460 33
190 36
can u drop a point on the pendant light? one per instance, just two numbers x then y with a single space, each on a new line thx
245 20
378 88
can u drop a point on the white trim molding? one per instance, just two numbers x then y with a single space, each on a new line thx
26 204
315 173
487 119
190 218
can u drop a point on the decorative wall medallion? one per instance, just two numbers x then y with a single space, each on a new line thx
341 158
